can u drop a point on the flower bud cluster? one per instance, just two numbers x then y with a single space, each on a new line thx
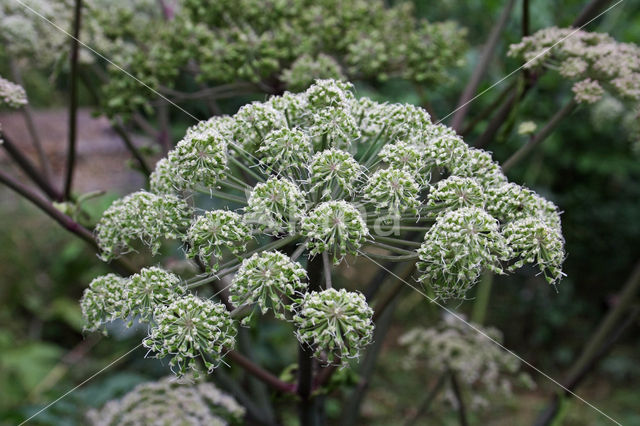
393 191
181 401
141 216
337 322
190 328
336 227
456 250
215 231
199 159
270 280
110 297
276 204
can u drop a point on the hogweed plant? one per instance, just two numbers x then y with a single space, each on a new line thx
302 183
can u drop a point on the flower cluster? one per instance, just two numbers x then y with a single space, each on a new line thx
104 301
11 94
214 231
277 185
190 328
141 216
336 227
454 347
337 322
170 401
110 297
456 250
268 279
276 204
292 43
596 61
306 69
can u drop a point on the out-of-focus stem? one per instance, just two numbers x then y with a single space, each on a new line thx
479 313
538 138
481 67
29 169
73 100
462 412
31 126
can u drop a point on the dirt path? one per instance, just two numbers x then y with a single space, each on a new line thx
101 155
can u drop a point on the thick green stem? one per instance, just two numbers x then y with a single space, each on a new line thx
479 312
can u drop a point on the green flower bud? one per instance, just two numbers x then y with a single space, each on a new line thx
336 322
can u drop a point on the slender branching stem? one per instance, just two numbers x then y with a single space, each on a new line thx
29 169
128 142
457 392
308 410
539 137
65 221
261 373
481 67
27 113
399 241
73 100
423 408
391 248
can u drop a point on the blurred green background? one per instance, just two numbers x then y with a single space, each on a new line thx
587 167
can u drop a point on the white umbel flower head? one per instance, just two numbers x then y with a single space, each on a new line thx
276 204
270 280
161 180
174 401
190 328
336 227
254 121
335 322
215 231
141 216
452 345
329 93
456 250
104 301
11 94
